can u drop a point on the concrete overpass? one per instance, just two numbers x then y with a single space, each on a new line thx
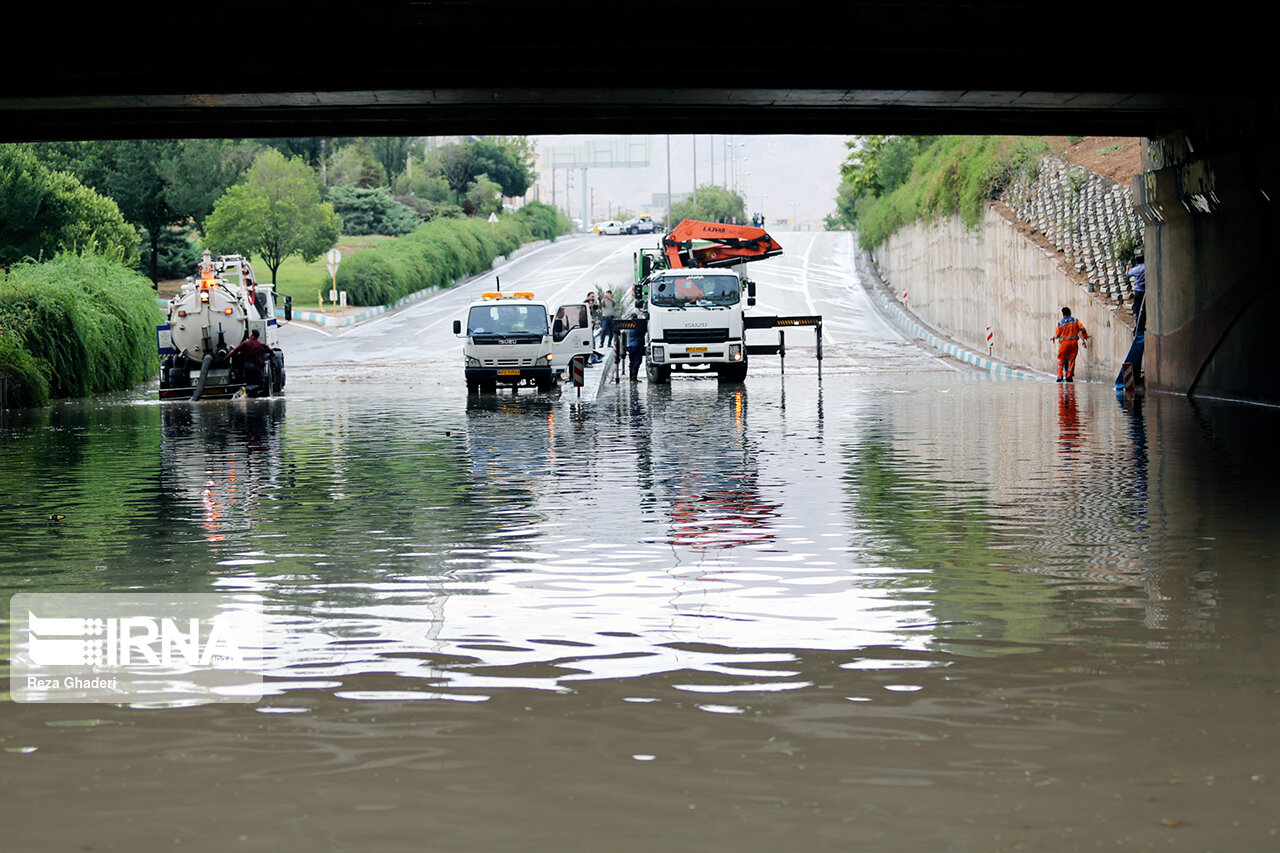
1184 80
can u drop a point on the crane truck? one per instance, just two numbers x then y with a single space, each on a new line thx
212 314
694 303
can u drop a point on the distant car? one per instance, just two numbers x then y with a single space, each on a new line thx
639 225
613 226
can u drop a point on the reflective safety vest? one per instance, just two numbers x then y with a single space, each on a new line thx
1069 329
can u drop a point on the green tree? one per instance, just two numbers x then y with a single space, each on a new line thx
352 166
393 152
874 168
372 210
454 162
504 163
199 171
275 214
483 197
715 204
128 171
46 212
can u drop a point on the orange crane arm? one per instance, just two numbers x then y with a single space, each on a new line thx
729 244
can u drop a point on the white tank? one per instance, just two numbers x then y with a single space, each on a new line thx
208 315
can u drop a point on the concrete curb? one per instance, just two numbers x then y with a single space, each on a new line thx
896 314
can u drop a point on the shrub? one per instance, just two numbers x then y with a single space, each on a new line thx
76 325
955 175
435 254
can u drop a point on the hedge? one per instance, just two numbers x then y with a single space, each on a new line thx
74 326
440 252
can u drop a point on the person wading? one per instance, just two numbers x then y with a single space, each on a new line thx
1069 334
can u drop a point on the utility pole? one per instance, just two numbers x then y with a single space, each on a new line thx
668 182
695 168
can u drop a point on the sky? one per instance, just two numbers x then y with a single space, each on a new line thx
784 177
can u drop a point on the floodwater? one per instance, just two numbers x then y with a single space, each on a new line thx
897 606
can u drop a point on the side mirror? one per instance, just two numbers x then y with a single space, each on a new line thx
288 307
751 300
557 329
457 327
751 289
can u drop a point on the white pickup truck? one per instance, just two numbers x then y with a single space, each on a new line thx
511 339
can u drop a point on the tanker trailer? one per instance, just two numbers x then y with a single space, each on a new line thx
208 318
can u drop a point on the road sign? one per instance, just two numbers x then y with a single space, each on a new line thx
493 217
332 258
577 369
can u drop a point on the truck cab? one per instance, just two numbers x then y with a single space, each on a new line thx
695 323
510 339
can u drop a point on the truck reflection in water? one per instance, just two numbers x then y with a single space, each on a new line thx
218 459
708 474
511 446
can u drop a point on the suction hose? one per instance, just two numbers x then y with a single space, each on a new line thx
204 374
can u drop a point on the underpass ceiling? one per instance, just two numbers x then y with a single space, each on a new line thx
393 67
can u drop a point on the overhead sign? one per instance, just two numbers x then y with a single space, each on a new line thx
621 153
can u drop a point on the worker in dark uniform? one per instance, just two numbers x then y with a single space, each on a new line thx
635 346
254 352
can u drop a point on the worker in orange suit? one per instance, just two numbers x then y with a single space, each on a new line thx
1069 334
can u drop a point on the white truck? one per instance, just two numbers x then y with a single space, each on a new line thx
695 322
694 304
213 313
510 339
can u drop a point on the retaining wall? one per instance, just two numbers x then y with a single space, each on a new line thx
963 281
1092 220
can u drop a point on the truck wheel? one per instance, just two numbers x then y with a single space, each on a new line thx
277 372
473 387
733 372
658 374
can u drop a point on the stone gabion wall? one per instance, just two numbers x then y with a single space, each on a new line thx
1089 218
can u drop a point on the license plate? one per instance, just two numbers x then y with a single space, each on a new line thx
697 349
508 372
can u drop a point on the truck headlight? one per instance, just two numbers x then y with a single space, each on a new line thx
657 355
472 361
735 352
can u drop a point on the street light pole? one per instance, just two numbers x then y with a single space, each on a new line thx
695 169
668 181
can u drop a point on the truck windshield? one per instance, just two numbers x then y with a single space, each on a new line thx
507 320
695 289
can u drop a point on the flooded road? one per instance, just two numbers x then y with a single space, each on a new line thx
900 606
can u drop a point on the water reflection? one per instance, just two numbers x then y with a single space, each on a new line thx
701 464
953 587
220 462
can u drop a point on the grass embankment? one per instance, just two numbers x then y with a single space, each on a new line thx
73 326
955 175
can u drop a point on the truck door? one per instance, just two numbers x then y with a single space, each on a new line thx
570 335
